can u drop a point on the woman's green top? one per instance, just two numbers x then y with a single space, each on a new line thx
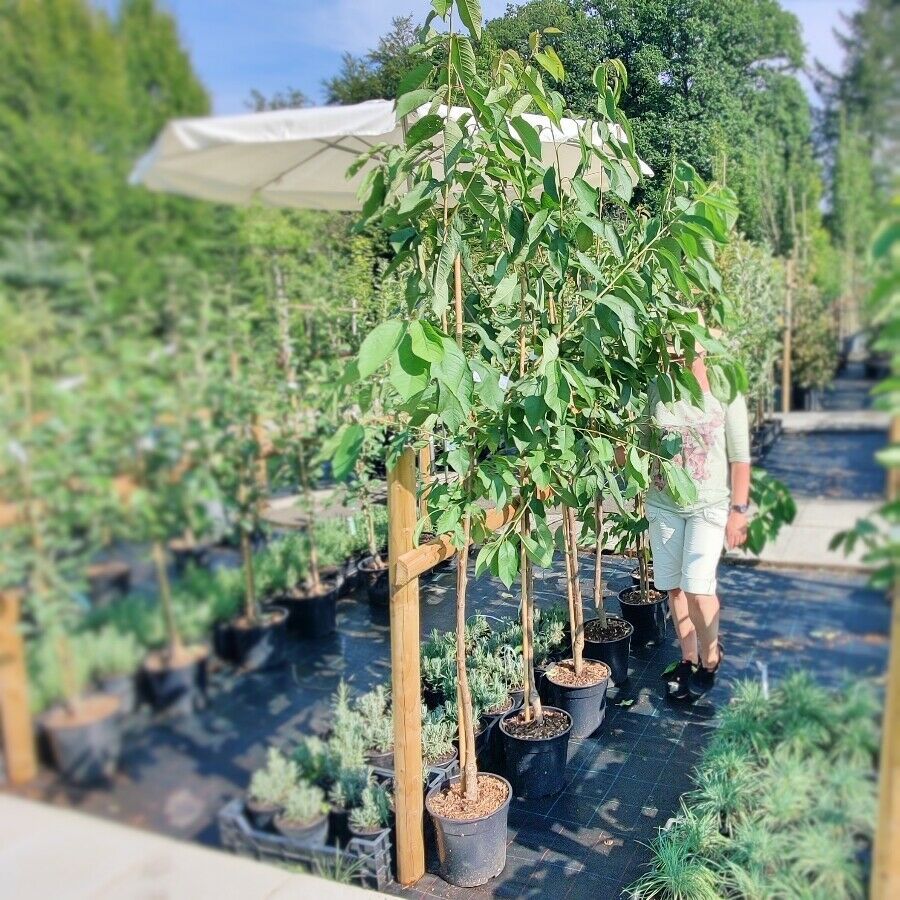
712 437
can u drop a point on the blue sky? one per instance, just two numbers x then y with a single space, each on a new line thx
237 45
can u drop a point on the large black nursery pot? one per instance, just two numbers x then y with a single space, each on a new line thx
379 760
613 651
315 616
374 579
338 826
489 743
261 645
585 704
536 767
85 746
647 619
308 834
179 686
470 851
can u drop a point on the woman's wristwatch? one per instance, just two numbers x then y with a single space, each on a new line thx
740 508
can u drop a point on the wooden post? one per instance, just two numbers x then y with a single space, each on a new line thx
788 324
405 674
885 883
15 715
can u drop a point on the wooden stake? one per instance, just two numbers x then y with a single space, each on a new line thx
885 883
15 714
788 325
406 684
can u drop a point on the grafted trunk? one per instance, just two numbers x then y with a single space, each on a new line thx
531 699
464 708
165 600
598 562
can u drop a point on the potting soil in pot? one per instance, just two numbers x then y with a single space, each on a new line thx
591 673
492 794
633 596
615 630
554 723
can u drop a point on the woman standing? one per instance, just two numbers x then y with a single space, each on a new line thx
687 541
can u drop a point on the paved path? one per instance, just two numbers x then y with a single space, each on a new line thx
49 852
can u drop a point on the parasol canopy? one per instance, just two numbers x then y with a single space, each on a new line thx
299 157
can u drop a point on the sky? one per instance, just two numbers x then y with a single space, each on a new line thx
270 45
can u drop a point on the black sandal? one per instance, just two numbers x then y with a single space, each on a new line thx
704 679
677 677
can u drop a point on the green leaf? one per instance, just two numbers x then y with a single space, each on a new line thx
347 452
426 341
549 61
507 562
680 483
462 58
427 127
528 135
413 100
409 372
379 344
414 78
586 195
471 15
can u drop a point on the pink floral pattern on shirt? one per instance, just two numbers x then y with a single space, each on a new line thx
697 439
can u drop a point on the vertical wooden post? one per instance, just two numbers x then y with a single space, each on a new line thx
885 883
405 674
788 325
15 716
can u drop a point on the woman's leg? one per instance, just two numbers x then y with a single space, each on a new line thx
684 625
703 541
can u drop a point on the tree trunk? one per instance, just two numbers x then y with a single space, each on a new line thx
165 600
577 609
251 612
598 561
531 699
464 710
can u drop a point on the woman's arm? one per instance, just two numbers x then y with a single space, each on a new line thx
737 441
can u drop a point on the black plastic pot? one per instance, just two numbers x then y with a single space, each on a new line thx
85 752
261 815
586 705
470 851
536 768
223 641
261 646
647 619
314 616
636 575
338 826
375 581
446 763
108 582
180 689
489 743
367 834
380 760
433 697
614 653
124 688
311 834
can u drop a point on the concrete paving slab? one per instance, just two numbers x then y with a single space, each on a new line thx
834 420
46 852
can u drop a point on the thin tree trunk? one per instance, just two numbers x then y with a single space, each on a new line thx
577 606
531 699
464 710
165 598
598 563
250 611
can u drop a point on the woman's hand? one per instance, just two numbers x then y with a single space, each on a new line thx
736 530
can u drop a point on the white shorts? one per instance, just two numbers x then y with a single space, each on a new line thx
686 547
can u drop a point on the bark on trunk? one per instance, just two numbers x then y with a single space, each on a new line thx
598 561
250 610
464 710
575 589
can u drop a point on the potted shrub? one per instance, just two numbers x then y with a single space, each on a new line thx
113 659
577 685
373 815
606 637
269 789
643 606
438 733
345 795
303 817
257 637
376 721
